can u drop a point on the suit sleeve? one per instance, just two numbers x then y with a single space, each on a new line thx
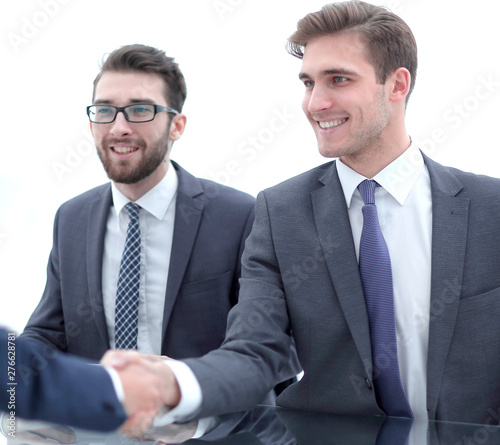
292 368
46 323
245 234
257 346
58 388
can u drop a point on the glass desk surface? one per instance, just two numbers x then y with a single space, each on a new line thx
274 425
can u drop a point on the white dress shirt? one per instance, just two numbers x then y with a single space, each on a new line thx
404 207
156 219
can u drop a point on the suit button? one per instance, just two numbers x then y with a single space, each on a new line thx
368 383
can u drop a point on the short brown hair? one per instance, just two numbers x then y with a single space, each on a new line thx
389 41
142 58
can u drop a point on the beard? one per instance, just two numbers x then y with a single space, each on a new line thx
121 171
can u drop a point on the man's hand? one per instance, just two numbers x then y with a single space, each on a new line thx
148 385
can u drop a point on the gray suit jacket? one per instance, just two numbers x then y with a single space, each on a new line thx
300 273
212 223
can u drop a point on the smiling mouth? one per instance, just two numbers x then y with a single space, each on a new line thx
124 150
333 123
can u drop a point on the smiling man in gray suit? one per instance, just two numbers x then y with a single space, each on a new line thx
192 231
300 266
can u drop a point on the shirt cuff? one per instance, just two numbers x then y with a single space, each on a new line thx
191 396
117 383
1 425
205 425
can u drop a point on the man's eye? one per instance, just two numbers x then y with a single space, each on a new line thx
104 111
339 79
140 110
308 83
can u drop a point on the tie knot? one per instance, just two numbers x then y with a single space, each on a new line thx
367 190
133 210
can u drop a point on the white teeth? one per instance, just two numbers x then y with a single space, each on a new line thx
331 124
124 150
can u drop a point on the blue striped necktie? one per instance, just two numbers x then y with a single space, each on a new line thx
376 276
127 293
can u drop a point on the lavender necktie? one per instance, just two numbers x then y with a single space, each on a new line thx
127 293
376 276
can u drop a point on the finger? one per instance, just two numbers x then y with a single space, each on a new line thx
138 423
119 359
156 358
151 357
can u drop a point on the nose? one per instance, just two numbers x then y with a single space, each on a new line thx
120 126
318 99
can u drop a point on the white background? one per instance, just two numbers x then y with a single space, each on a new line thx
239 77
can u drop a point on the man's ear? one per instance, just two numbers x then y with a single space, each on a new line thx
399 81
177 127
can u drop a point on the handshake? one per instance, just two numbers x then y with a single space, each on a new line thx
149 386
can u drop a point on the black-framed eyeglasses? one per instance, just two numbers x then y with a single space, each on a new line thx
135 113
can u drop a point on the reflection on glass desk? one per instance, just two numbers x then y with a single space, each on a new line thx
273 425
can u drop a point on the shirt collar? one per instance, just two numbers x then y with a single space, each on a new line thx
156 201
398 178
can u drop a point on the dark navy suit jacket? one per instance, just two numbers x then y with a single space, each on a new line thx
56 387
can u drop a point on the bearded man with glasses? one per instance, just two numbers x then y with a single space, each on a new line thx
150 261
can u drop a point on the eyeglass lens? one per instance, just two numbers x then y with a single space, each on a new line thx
133 113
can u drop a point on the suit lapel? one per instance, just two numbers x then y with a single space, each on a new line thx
189 207
450 216
96 229
331 217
